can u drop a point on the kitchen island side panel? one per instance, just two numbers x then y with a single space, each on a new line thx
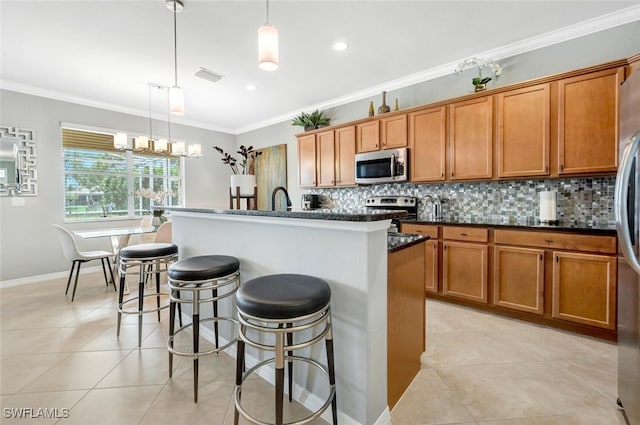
350 256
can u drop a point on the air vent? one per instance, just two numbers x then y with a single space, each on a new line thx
208 75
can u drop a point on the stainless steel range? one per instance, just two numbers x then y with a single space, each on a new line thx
390 202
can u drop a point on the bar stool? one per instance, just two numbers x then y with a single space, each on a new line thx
284 305
150 259
219 274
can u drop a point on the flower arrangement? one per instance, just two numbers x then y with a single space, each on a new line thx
248 155
157 197
480 81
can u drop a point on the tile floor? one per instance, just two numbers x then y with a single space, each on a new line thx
478 369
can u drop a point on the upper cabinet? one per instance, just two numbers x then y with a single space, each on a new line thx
427 144
368 136
522 132
345 156
588 122
307 160
471 139
393 131
325 166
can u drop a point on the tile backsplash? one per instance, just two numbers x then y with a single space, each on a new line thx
584 200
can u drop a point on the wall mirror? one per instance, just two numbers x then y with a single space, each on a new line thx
18 175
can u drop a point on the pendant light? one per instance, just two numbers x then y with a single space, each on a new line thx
268 45
176 95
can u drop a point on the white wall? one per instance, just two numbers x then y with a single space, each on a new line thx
28 245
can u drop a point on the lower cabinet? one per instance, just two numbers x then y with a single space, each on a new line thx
584 288
562 279
405 319
518 278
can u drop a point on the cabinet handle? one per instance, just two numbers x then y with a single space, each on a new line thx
540 257
452 174
548 240
442 175
557 261
463 234
546 168
561 167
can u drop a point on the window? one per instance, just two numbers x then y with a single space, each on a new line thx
101 181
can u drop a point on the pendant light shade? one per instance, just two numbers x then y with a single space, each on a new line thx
268 45
120 140
176 100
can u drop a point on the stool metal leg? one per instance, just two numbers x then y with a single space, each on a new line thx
239 371
172 327
214 293
332 372
279 376
123 277
158 289
290 361
140 303
196 342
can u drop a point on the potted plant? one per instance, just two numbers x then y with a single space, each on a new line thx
480 82
315 119
243 171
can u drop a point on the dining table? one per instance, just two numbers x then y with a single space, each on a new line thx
119 237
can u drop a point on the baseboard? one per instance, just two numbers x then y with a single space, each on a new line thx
49 276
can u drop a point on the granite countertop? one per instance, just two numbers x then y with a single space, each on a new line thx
526 224
399 241
338 214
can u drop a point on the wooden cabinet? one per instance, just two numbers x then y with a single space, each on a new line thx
405 319
393 131
465 264
427 144
522 136
431 254
307 160
325 159
518 278
584 288
471 139
368 136
588 122
345 152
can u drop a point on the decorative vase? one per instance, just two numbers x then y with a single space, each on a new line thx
156 221
371 110
384 108
246 182
396 107
480 87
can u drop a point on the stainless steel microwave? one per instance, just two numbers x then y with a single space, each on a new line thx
387 166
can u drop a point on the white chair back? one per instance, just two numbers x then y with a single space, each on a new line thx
164 233
146 221
69 245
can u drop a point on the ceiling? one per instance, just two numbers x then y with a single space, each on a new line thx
105 53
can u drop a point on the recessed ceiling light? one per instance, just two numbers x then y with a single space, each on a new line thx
250 87
340 46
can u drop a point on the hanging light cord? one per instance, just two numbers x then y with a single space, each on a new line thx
175 42
267 11
150 124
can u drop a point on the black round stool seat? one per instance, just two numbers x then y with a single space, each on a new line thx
283 296
146 250
203 267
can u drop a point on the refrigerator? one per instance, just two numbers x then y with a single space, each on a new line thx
627 216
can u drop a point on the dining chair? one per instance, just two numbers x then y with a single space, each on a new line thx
146 237
77 257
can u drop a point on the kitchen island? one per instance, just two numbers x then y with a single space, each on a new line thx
347 248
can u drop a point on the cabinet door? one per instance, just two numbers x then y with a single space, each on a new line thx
518 278
464 273
307 160
368 136
588 122
584 288
393 132
522 137
427 144
346 156
325 160
470 139
431 266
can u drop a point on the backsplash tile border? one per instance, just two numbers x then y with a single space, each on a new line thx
588 200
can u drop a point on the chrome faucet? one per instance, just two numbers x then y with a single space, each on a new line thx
273 197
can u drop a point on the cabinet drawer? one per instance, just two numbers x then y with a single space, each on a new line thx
470 234
423 229
557 240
